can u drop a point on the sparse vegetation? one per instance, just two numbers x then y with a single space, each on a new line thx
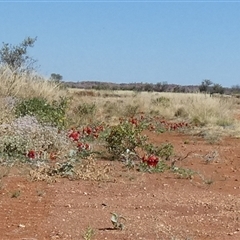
15 194
62 133
53 114
89 233
118 221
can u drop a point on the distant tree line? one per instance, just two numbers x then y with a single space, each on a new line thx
206 86
138 87
16 58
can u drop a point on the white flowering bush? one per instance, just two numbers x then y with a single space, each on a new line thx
26 133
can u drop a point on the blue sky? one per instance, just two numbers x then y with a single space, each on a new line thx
181 42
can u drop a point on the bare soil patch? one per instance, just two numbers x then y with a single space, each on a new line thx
156 206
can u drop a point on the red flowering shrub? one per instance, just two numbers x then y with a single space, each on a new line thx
75 135
92 131
31 154
83 146
151 160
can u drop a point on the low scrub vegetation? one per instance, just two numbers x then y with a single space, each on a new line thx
62 132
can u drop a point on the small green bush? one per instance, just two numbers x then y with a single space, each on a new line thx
181 112
13 146
124 136
53 114
86 108
198 122
161 101
164 151
183 173
160 168
131 110
82 114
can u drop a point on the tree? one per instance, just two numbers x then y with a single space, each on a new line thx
205 86
217 88
148 87
16 57
56 77
235 89
161 86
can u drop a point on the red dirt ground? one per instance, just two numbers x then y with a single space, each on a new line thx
156 206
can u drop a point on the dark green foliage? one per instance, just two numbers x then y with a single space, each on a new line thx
164 151
56 77
161 101
124 136
217 88
205 86
160 168
181 112
53 114
131 110
86 108
12 146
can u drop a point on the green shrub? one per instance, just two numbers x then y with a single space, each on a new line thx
13 146
131 110
183 173
53 113
198 122
161 101
124 136
164 151
160 168
86 108
181 112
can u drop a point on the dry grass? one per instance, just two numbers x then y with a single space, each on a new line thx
87 169
199 108
24 86
6 115
215 116
28 86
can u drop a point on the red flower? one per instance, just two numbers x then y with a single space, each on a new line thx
151 161
87 146
31 154
134 121
89 130
83 146
80 145
75 135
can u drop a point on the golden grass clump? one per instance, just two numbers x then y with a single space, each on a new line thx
198 107
28 85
